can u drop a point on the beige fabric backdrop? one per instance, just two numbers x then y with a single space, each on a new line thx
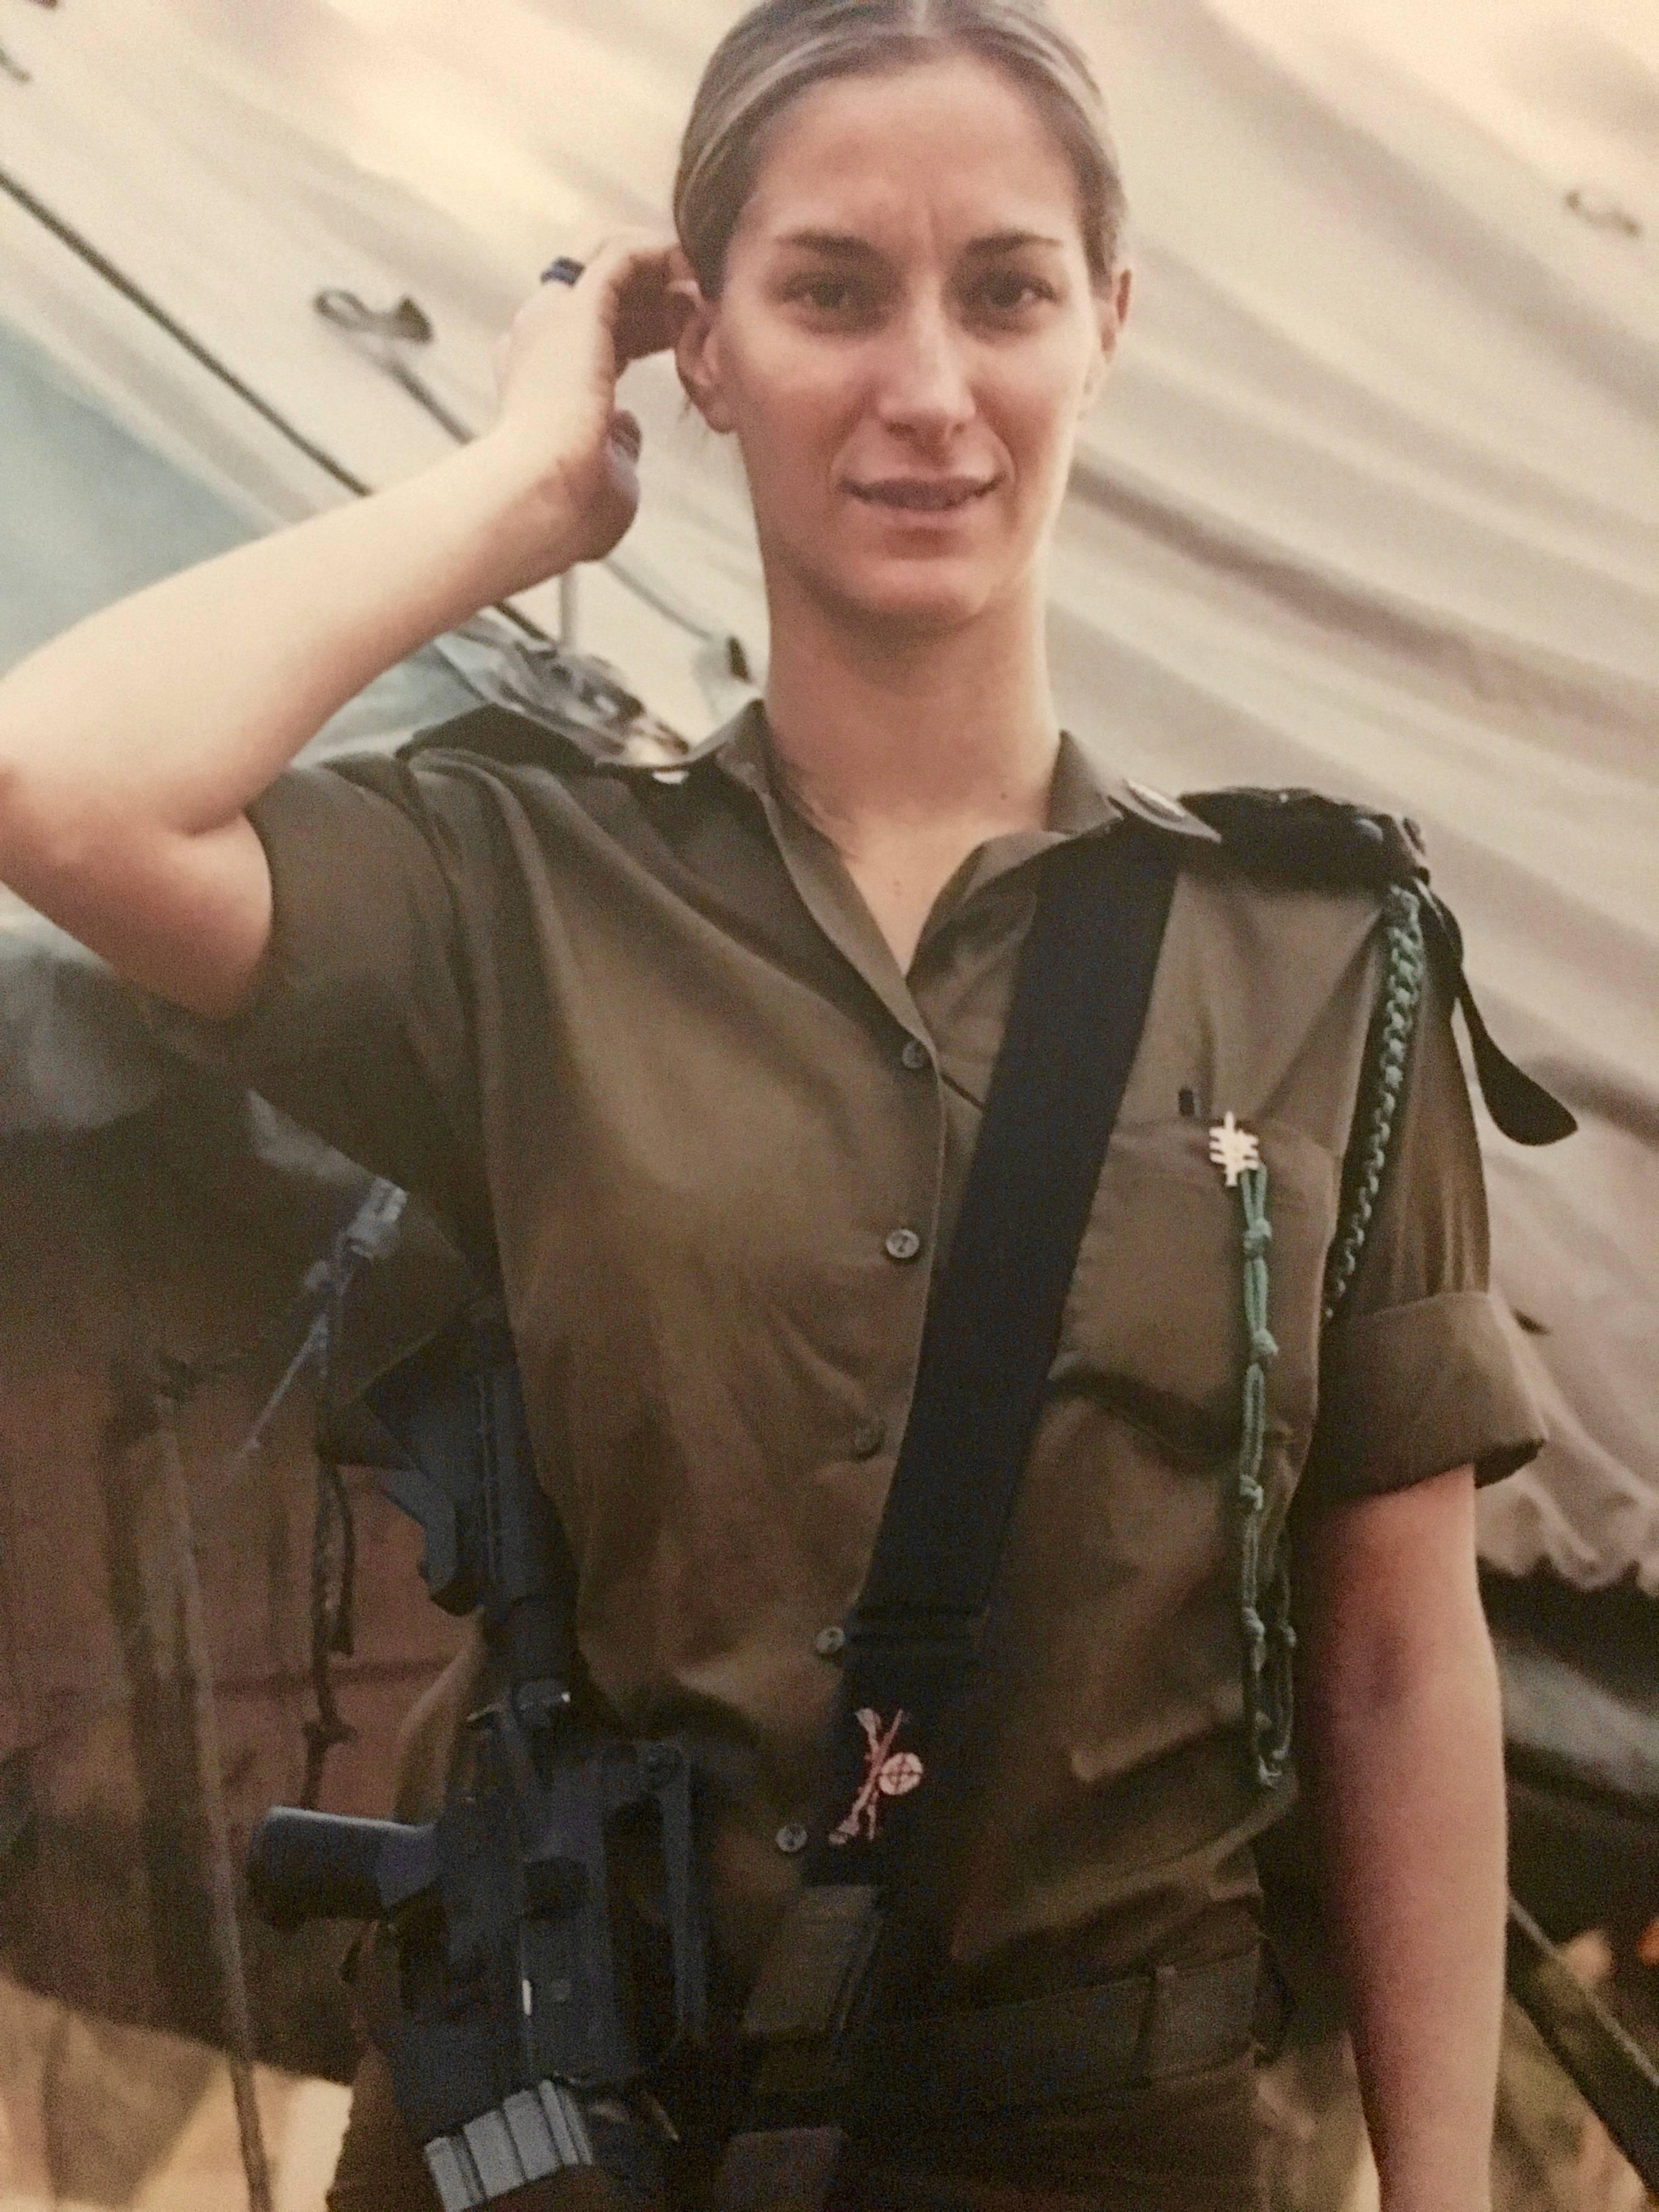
1372 504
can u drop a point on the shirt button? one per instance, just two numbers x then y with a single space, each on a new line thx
902 1244
915 1055
792 1838
830 1641
868 1438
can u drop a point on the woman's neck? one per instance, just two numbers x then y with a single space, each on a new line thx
908 753
892 735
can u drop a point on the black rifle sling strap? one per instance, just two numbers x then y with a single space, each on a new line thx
1080 1004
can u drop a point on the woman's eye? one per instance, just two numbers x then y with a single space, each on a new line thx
830 295
1007 295
999 297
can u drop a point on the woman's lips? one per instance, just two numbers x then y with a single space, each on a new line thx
923 495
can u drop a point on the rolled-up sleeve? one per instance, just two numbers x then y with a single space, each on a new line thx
360 1023
1420 1369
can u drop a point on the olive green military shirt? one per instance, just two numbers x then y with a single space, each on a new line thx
644 1028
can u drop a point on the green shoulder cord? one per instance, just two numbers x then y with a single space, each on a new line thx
1269 1638
1402 994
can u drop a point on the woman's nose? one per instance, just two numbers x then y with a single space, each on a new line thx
925 384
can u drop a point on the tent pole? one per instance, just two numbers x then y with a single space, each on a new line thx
1616 2077
221 1871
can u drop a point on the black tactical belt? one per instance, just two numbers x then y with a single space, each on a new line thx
943 2068
943 2071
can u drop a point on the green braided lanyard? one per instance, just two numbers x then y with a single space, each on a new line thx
1264 1601
1269 1639
1403 994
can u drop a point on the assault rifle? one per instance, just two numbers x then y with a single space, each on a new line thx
503 2003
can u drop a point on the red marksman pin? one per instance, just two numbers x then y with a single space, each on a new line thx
887 1774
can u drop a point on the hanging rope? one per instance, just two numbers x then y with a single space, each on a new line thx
334 1529
334 1534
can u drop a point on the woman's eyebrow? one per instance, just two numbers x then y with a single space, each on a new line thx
1011 241
847 245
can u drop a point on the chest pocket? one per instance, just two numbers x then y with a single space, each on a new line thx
1155 1323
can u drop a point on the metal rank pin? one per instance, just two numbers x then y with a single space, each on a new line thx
1233 1150
534 2133
1158 803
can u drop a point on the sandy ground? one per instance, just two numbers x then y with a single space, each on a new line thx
95 2116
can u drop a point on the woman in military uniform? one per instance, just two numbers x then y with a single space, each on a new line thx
703 1059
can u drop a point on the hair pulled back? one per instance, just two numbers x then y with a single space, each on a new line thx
781 49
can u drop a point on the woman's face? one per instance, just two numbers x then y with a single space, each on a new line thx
906 336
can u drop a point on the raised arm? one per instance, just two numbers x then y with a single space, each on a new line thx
131 746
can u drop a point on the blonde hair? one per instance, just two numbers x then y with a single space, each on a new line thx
781 49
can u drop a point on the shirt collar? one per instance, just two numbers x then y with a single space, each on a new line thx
1084 796
1083 801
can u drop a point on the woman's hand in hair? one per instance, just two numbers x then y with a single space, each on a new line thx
556 370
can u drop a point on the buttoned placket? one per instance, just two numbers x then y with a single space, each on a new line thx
906 1240
830 896
827 890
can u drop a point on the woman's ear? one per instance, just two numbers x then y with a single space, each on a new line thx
1113 313
691 321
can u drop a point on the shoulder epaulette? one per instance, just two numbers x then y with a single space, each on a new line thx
1303 839
543 707
509 738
